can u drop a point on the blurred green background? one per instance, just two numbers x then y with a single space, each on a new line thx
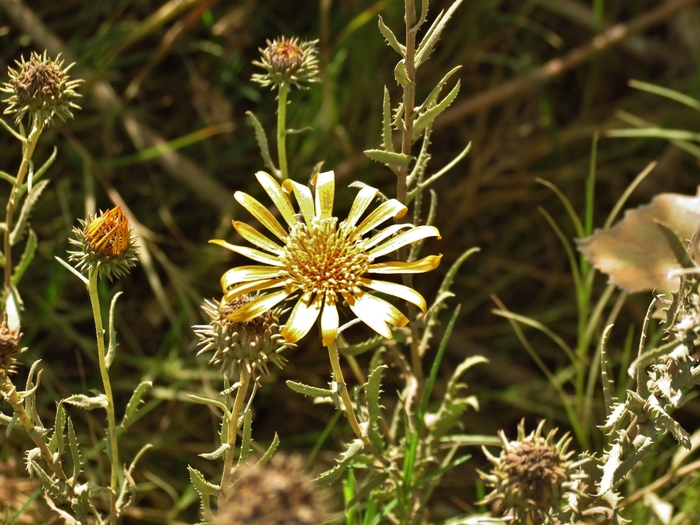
163 132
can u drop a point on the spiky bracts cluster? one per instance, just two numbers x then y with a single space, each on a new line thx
237 345
42 88
288 61
9 348
277 493
105 243
534 478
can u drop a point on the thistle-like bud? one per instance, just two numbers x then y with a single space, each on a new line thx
288 61
534 477
248 345
42 88
9 348
278 493
106 243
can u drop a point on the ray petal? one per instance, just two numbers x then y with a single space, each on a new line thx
362 201
255 286
253 236
251 253
304 198
384 234
383 212
302 318
376 313
261 213
397 290
274 190
402 239
420 266
258 306
325 191
245 274
329 323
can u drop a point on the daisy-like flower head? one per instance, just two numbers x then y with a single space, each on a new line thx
323 261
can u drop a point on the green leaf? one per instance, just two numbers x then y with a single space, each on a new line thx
666 92
7 177
374 385
331 476
211 402
36 176
57 442
112 345
370 344
391 38
262 143
27 206
433 34
431 114
270 450
246 439
216 454
308 390
391 159
87 402
435 93
387 135
401 75
74 451
132 406
26 259
205 489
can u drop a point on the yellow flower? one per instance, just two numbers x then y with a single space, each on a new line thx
324 261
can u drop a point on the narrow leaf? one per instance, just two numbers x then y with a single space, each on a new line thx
431 114
387 136
391 38
374 384
262 142
133 405
27 206
206 401
57 442
331 476
400 74
246 439
86 402
309 390
270 450
217 453
112 334
433 34
26 259
391 159
74 451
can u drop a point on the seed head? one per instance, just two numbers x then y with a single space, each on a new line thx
241 344
105 242
41 88
288 61
533 478
277 493
9 348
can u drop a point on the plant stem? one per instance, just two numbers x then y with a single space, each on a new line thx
10 394
232 432
282 130
345 396
27 151
111 422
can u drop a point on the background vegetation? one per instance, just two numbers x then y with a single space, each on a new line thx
163 133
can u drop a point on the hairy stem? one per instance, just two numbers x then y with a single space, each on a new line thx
232 432
282 130
111 421
27 152
344 395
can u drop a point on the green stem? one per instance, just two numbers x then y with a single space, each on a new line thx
111 421
27 151
344 395
282 130
232 432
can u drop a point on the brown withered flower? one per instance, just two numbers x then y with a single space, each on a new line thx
105 243
9 348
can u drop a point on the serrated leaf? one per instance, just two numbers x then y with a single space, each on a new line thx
205 490
400 74
261 138
29 203
431 114
309 390
435 93
387 135
433 34
26 259
391 38
211 402
245 440
11 424
391 159
87 402
57 442
342 463
270 450
74 451
133 404
374 385
453 386
217 453
370 344
112 332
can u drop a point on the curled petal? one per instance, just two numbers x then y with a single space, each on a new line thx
408 237
362 201
383 212
258 306
244 274
254 286
384 234
397 290
376 313
302 318
304 198
251 253
425 264
253 236
261 213
329 323
325 191
273 189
